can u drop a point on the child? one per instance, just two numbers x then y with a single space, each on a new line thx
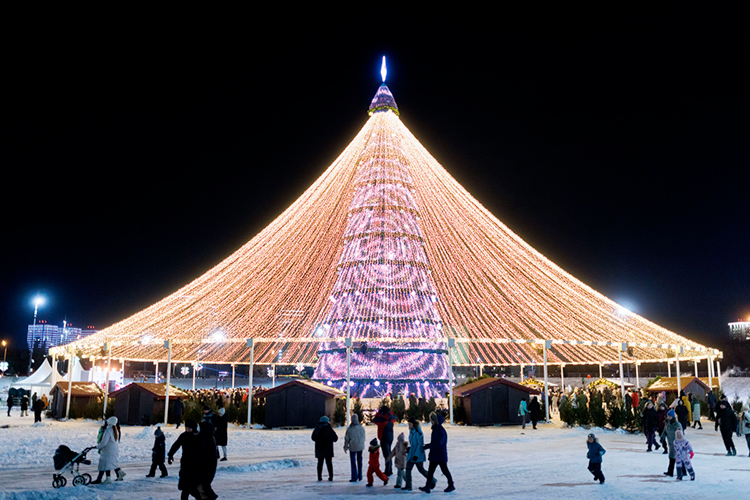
683 454
157 454
374 464
399 453
595 458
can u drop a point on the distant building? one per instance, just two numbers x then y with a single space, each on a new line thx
43 335
740 330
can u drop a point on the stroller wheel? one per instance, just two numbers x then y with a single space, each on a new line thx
87 477
58 481
79 481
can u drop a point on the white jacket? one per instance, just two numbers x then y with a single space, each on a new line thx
109 450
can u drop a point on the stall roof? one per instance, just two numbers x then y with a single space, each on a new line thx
668 384
158 390
309 384
483 383
80 388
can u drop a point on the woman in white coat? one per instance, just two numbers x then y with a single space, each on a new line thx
109 449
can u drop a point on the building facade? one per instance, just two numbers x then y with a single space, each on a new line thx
43 335
740 330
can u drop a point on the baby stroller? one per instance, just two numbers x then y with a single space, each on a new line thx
67 459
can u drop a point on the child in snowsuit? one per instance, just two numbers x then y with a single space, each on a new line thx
399 453
374 464
595 458
157 454
683 454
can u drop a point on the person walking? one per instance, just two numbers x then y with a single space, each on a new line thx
650 424
384 420
683 454
178 408
671 425
398 454
109 450
744 427
696 407
438 457
416 456
523 412
534 411
324 437
662 418
594 454
711 402
220 432
24 405
682 413
354 444
37 408
158 453
189 467
208 456
373 464
726 420
10 403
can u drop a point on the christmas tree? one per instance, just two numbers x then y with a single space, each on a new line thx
383 289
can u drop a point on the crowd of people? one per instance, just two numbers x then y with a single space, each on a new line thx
405 455
667 421
38 405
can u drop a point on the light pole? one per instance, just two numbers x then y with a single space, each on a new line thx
108 349
168 345
5 350
38 301
70 382
251 344
451 345
348 344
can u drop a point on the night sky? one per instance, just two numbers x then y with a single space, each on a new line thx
616 144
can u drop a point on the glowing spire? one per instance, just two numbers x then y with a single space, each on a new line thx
383 70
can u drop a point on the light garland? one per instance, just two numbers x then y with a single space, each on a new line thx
386 247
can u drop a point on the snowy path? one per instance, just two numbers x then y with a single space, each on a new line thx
485 462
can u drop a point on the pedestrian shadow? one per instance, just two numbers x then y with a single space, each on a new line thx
650 478
571 485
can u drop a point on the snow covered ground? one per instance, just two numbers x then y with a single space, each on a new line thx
485 462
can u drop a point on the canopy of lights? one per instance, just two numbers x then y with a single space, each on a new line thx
388 249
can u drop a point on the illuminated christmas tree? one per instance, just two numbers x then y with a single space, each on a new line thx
383 289
387 248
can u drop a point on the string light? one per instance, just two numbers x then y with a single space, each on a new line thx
386 247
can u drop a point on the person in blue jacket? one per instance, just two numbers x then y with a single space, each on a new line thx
595 458
416 456
438 453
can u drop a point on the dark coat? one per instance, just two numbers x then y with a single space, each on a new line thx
438 443
711 400
384 421
24 403
681 412
324 437
178 408
661 415
189 465
209 455
595 452
160 446
534 410
220 433
726 420
651 420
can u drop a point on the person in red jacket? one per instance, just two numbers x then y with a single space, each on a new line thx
635 399
384 420
374 464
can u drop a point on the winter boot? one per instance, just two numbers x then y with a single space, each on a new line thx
450 488
120 474
424 488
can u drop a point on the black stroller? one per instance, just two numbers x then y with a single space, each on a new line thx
68 460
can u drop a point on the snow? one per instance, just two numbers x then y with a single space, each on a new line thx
280 464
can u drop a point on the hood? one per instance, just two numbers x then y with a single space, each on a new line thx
400 438
355 419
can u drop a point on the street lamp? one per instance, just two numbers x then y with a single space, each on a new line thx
38 301
5 351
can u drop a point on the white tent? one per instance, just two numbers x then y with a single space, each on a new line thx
46 376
